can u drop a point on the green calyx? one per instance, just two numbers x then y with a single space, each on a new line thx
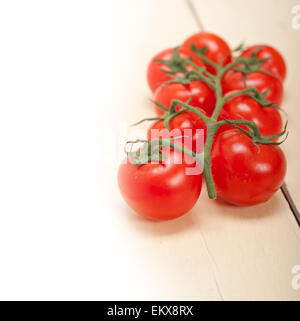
150 151
254 133
252 64
171 113
239 48
179 65
201 53
175 65
168 115
255 95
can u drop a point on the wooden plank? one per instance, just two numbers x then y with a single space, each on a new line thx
253 249
217 251
265 22
253 260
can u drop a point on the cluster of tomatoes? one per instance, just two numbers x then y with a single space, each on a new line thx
245 171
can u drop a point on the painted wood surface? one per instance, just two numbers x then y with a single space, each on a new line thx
217 251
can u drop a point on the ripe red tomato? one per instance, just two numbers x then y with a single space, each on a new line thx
179 126
202 95
243 174
160 190
233 80
267 119
156 74
275 63
217 49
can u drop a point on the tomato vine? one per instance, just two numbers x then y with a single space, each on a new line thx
153 150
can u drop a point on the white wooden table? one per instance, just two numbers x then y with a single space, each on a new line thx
218 251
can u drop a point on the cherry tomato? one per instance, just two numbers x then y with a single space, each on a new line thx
244 174
160 190
156 74
202 95
234 80
184 124
217 49
267 119
275 63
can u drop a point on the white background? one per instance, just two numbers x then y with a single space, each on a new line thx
62 65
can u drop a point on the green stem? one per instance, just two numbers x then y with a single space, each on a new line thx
147 119
219 100
247 123
202 75
195 110
198 157
195 75
155 146
219 94
211 131
206 60
241 92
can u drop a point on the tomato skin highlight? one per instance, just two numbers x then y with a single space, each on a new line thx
233 80
160 191
217 49
155 72
243 174
178 125
267 119
202 96
275 63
